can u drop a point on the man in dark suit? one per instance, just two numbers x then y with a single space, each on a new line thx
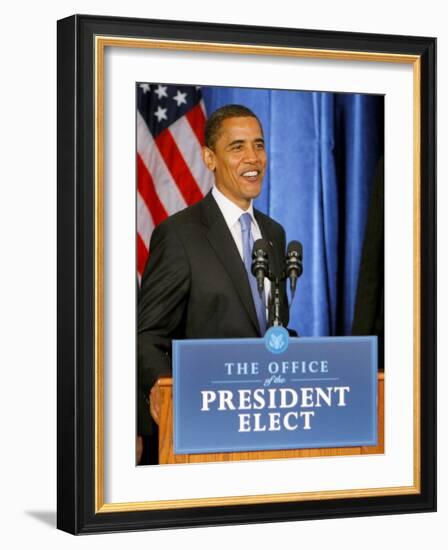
195 284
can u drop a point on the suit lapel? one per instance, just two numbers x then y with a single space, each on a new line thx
222 242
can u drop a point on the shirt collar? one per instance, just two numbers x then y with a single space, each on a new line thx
229 209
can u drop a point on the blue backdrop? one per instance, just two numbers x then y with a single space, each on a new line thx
323 149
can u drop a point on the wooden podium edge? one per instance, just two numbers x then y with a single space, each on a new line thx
164 390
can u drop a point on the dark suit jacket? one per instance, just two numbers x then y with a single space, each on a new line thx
368 316
195 286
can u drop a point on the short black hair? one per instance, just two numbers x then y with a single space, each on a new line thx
215 120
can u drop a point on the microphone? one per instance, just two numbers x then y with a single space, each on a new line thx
260 263
293 264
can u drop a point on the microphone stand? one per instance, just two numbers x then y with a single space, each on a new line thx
274 301
260 267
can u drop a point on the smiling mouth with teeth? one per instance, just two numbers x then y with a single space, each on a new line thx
251 174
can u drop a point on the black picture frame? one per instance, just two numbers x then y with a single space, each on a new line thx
79 495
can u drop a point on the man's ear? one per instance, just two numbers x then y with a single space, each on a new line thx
208 156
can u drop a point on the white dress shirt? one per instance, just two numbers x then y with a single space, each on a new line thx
232 214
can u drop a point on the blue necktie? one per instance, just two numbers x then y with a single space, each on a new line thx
248 242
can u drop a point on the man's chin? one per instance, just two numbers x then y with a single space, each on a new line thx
252 189
254 193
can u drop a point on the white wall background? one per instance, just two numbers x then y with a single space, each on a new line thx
28 273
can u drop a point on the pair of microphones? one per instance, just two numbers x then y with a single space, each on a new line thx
292 268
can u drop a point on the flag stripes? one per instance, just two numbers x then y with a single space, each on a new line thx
148 193
178 167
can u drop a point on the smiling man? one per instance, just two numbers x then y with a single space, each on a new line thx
197 282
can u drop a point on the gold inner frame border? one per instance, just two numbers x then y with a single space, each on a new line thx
100 44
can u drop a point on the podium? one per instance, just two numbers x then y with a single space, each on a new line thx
164 393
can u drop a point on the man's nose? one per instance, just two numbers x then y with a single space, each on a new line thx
252 154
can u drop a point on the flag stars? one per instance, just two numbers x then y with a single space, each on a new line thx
160 114
161 91
180 98
145 87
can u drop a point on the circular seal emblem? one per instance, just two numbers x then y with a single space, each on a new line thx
276 339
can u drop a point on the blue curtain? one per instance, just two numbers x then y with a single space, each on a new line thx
323 149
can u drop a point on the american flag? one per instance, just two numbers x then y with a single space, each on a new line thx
170 171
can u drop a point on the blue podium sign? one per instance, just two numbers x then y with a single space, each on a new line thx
274 393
